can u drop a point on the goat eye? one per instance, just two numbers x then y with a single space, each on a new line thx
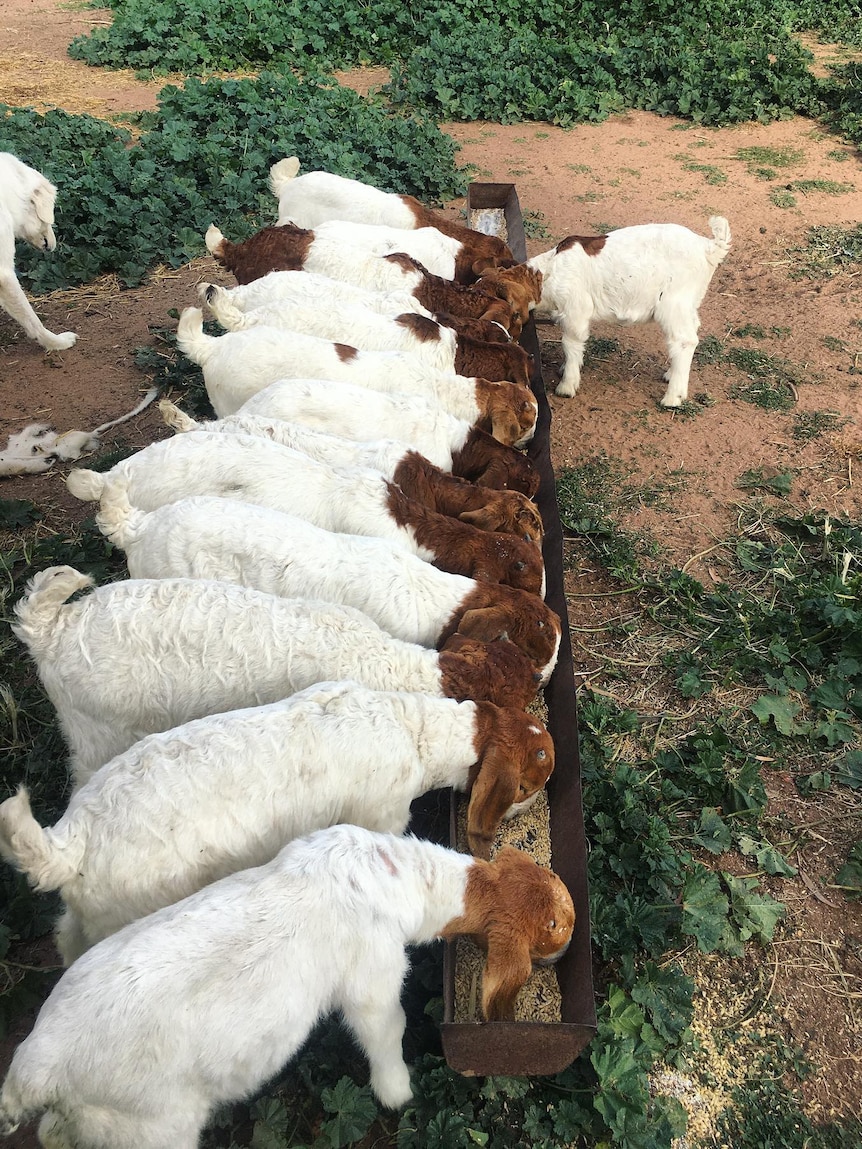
553 925
541 625
540 754
519 566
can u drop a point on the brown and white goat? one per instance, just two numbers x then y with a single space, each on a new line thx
258 778
658 271
481 458
143 655
278 553
325 926
315 197
350 501
504 295
508 512
392 284
239 364
334 243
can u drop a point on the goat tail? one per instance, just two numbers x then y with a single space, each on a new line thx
25 844
176 419
24 1094
219 302
12 1112
207 291
191 339
282 173
117 519
214 240
721 238
86 485
37 612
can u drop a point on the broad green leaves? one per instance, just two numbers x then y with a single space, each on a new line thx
204 156
470 59
704 909
351 1111
781 711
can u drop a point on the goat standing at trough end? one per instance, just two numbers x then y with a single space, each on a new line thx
133 658
654 271
322 927
281 554
255 780
353 502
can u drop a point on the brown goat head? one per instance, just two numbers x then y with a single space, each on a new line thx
520 286
530 625
498 672
515 758
519 913
509 512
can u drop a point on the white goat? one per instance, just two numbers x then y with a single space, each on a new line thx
236 787
318 196
133 658
505 295
382 455
239 364
252 470
356 412
657 271
26 212
315 197
480 458
134 1048
284 555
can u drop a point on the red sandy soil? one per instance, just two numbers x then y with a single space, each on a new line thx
633 168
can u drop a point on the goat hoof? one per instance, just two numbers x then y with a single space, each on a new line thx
567 390
60 342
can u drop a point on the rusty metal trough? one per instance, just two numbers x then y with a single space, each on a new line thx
529 1048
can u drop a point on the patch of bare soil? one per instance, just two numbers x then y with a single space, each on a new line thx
633 168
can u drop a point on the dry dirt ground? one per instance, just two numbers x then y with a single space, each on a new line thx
633 168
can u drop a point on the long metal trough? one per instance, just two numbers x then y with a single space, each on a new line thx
528 1048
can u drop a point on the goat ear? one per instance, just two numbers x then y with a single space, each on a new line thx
486 623
481 517
507 968
498 312
42 199
505 428
495 476
494 790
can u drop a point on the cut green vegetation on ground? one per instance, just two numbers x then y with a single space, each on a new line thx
204 157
